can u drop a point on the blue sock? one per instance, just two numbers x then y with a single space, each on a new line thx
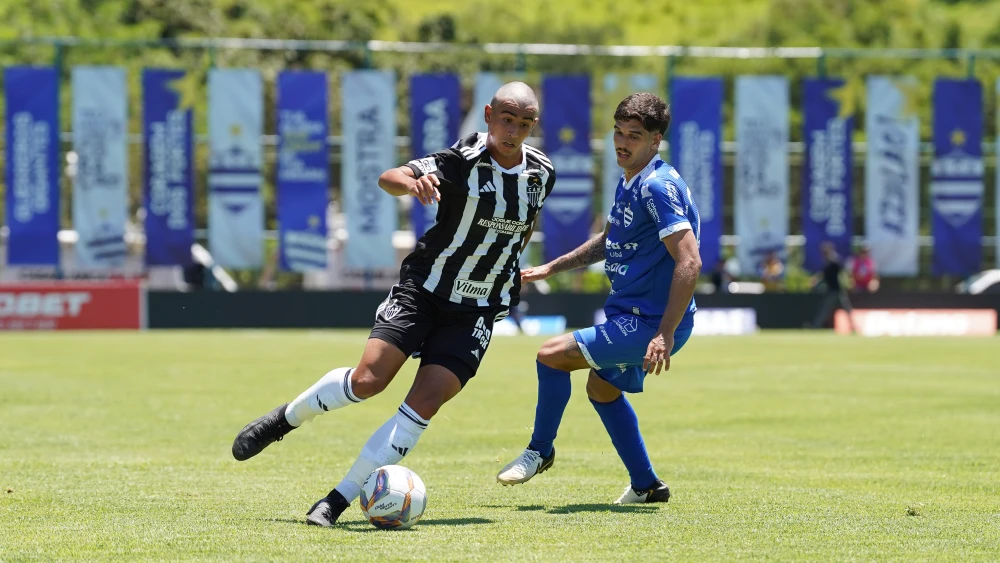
622 424
553 395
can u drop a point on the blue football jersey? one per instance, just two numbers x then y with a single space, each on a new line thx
654 205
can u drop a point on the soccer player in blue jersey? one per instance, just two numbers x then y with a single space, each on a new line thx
650 248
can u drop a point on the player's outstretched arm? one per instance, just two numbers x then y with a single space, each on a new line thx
683 246
590 252
400 181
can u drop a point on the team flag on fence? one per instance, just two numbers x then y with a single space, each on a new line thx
695 131
303 170
169 168
235 206
100 185
957 177
761 183
369 121
826 173
31 201
566 128
435 115
892 181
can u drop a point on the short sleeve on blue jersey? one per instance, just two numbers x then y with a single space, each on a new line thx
662 201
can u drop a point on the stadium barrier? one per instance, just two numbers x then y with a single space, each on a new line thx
73 305
919 322
320 309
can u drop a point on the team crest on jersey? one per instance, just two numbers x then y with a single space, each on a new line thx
628 215
388 309
535 189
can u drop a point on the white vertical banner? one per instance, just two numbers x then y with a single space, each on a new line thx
616 88
892 176
487 84
100 185
235 206
761 182
369 129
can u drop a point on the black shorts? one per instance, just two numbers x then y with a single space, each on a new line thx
436 330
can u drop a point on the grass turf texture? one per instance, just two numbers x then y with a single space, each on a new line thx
781 446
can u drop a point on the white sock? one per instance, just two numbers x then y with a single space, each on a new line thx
387 446
331 392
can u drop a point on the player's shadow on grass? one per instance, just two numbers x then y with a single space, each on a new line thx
365 527
574 508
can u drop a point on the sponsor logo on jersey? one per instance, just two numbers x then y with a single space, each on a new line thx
487 188
482 333
651 207
627 324
425 165
505 226
472 289
615 268
604 333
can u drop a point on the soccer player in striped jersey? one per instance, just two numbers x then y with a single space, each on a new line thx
461 278
650 249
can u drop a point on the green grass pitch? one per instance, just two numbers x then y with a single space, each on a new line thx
783 446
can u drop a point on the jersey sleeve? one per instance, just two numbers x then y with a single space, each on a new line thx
446 165
551 182
664 204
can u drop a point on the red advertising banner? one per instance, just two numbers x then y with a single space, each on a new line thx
73 305
919 322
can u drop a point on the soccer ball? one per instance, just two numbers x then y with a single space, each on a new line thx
393 498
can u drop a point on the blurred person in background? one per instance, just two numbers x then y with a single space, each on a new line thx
863 271
772 272
834 290
720 277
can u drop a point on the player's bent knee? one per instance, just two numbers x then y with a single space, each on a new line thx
433 386
551 353
601 391
365 383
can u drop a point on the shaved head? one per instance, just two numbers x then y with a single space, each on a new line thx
517 93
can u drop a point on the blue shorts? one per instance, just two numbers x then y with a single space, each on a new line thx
616 348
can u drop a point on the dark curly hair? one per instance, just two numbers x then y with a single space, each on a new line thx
646 108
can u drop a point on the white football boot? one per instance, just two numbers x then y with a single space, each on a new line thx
659 492
526 466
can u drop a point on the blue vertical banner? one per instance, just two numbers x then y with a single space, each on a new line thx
169 168
303 169
235 205
566 128
31 202
435 116
826 175
957 177
100 184
695 133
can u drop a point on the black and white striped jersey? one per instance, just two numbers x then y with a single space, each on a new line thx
470 255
